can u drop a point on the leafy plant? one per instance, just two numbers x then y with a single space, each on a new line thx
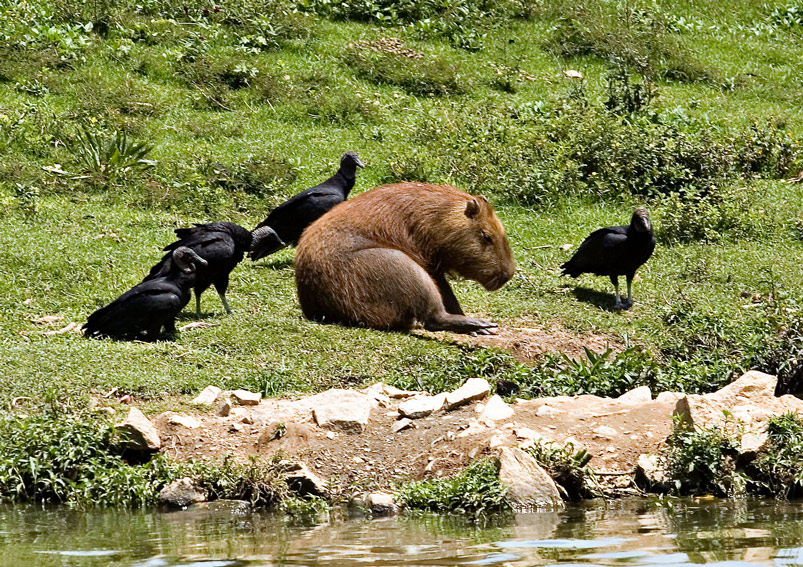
779 469
110 156
475 491
703 461
567 468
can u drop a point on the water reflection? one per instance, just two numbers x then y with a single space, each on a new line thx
631 533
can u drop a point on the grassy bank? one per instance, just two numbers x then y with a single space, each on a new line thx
228 110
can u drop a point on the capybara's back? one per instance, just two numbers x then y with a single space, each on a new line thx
379 260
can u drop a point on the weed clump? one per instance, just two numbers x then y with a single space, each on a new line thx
567 468
474 491
703 461
779 469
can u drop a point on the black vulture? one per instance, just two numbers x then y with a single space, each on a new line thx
142 311
615 251
221 244
286 222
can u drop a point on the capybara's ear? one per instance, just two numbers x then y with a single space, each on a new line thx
483 197
472 208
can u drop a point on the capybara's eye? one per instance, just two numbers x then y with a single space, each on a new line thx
487 237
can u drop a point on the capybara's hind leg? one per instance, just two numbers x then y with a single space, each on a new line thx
458 324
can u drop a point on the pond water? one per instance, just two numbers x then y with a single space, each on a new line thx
622 533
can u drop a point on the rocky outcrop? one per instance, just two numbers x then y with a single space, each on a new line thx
421 405
528 484
138 433
207 397
303 481
246 398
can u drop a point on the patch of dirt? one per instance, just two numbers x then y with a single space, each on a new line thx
529 341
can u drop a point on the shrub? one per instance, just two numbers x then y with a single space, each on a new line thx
475 491
567 468
703 461
779 469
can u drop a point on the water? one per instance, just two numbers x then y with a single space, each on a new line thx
624 533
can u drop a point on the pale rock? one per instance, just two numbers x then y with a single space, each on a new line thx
474 389
342 410
651 473
753 443
604 432
499 439
474 427
236 412
246 398
479 408
207 397
183 420
381 504
749 400
377 392
529 486
421 406
401 425
303 481
138 432
181 493
396 394
247 420
235 427
548 411
669 397
224 409
638 395
496 409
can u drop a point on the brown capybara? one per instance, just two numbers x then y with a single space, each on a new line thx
380 260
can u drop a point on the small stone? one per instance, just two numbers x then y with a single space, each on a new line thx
138 432
474 389
604 432
181 493
342 410
381 504
304 482
421 406
246 398
401 425
207 397
247 420
636 395
330 434
572 74
236 427
496 410
224 409
184 421
358 460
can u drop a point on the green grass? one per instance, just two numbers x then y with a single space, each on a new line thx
206 95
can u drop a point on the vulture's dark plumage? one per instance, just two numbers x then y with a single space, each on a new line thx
221 244
145 309
615 251
286 222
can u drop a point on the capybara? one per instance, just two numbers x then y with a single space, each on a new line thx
380 260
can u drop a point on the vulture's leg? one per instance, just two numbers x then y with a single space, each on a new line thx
225 303
615 282
629 291
197 303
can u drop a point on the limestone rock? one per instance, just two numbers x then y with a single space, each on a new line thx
183 420
605 432
496 410
224 409
138 432
751 444
246 398
750 400
529 486
207 397
381 504
668 397
401 425
421 406
474 389
303 481
638 395
651 473
342 410
181 493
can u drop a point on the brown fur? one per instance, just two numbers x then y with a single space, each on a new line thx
379 260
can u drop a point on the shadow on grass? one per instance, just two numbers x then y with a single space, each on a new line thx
601 299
